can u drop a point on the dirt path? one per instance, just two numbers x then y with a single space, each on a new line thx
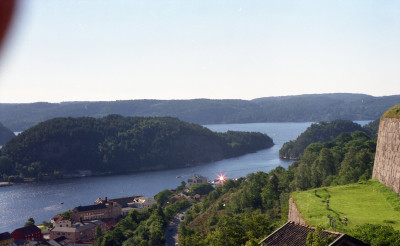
171 231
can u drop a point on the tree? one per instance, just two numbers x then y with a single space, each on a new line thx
316 238
30 221
377 234
162 197
181 187
99 233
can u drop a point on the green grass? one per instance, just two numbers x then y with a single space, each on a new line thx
366 202
393 112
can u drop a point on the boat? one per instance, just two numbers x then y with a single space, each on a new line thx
179 176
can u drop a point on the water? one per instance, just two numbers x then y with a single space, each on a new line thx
43 200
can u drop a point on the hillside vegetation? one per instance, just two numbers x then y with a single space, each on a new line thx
393 112
362 203
302 108
246 210
5 134
317 133
116 144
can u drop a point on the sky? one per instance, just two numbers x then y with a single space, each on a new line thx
86 50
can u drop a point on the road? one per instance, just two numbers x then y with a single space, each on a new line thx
171 231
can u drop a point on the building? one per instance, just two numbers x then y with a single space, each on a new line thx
142 202
293 234
196 180
60 241
30 232
80 231
387 156
6 239
122 206
60 221
91 212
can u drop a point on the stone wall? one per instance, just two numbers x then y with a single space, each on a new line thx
294 214
387 157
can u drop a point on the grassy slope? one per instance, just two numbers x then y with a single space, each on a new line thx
393 112
367 202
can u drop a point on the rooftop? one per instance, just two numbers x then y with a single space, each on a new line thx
5 236
26 230
58 218
79 226
293 234
90 207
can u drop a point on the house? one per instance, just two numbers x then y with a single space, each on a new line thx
60 221
6 239
91 212
115 205
80 231
293 234
124 205
142 202
196 180
30 232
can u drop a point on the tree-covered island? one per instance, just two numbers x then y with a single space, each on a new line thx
118 144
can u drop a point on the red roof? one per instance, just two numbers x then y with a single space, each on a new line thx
27 230
58 218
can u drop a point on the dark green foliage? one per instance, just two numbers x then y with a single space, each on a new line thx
347 159
317 133
174 208
181 187
5 134
377 235
315 238
302 108
201 189
30 221
163 196
143 227
247 210
118 144
372 128
67 214
239 211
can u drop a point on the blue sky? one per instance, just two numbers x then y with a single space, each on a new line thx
126 49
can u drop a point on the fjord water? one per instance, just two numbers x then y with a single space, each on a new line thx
43 200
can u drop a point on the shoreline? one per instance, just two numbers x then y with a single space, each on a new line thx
3 184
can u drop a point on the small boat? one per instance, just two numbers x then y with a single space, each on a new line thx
61 203
179 176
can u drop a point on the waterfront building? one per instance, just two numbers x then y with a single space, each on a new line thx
30 232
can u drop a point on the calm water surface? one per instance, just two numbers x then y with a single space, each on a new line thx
42 200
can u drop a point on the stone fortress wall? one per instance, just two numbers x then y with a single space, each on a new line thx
387 157
294 214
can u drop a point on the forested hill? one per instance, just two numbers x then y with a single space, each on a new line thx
322 132
5 134
303 108
116 143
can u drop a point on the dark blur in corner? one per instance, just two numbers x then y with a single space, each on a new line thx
7 10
